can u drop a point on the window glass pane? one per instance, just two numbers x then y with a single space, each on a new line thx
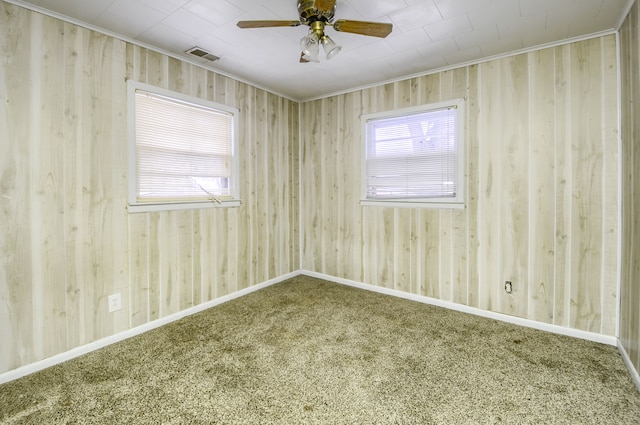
184 151
413 156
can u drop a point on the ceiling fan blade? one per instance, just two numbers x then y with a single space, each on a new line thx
375 29
267 24
325 5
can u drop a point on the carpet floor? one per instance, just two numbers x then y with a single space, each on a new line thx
307 351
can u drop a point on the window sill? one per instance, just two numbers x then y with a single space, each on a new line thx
139 208
413 204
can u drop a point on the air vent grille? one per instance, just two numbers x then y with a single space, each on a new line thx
201 53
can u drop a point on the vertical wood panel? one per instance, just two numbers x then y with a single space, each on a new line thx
154 266
139 291
457 87
185 259
309 199
349 148
99 134
562 290
15 229
402 260
587 213
611 178
119 279
330 206
340 234
294 187
542 192
514 164
429 260
386 248
489 181
167 241
245 103
261 205
73 213
280 190
232 222
34 182
274 166
48 185
472 295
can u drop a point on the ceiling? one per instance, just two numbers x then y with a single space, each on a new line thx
427 35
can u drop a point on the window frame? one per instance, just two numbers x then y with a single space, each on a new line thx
134 205
442 202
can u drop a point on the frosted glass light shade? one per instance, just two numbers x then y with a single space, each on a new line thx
330 47
309 44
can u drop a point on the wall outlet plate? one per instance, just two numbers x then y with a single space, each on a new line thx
115 302
508 286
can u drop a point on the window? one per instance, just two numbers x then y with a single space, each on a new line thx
182 151
414 156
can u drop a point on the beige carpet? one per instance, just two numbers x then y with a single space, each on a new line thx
307 351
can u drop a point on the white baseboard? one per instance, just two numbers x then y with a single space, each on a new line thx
561 330
627 361
87 348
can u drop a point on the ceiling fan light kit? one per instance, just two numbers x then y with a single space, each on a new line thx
317 14
310 43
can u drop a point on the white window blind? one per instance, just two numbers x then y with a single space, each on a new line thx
183 151
413 156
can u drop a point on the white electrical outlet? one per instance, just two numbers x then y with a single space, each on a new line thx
115 302
508 286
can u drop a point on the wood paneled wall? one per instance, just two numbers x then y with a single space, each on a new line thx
66 238
542 190
630 261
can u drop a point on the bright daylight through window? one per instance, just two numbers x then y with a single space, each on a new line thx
414 156
182 151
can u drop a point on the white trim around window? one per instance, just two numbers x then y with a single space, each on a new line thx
182 151
414 157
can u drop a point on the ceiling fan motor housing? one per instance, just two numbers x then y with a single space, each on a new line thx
316 10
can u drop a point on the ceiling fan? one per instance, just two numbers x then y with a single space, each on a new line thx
317 14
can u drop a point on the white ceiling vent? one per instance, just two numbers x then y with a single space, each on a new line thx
201 53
